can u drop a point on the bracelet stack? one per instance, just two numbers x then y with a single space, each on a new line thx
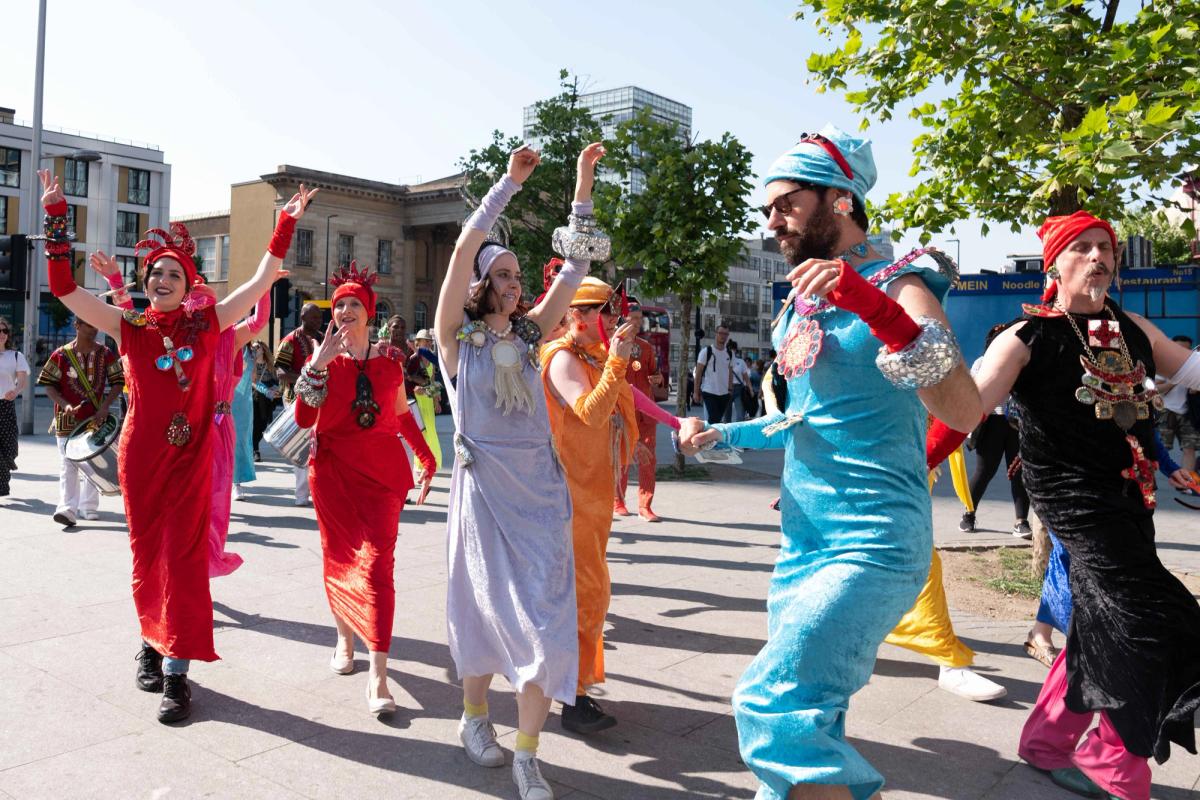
58 236
312 385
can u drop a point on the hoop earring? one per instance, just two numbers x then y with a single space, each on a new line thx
843 206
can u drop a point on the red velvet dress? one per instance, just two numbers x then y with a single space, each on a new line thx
167 506
359 478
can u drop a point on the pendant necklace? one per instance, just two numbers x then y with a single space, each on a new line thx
179 431
364 406
1119 390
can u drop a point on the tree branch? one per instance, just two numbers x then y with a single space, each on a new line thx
1110 16
1025 90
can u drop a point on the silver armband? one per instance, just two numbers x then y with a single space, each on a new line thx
581 239
312 388
923 362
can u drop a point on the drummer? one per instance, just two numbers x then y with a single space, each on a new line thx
83 378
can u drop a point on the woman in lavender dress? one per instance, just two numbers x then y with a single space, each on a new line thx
511 587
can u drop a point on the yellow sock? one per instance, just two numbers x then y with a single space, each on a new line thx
474 710
527 743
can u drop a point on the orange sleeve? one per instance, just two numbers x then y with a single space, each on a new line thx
595 407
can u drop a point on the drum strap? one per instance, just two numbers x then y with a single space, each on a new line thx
82 373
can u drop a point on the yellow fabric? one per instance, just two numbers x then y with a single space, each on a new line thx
527 743
585 447
474 710
958 474
927 629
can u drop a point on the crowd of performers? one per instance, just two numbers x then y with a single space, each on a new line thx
553 405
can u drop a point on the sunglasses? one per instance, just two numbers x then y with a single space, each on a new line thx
166 360
4 330
782 204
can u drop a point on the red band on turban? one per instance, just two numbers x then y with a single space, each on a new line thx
1058 232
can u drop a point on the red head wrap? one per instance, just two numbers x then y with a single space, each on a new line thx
1058 232
550 272
177 245
352 283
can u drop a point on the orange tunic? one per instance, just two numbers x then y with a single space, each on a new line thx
594 439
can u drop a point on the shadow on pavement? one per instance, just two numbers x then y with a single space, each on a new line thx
706 601
260 539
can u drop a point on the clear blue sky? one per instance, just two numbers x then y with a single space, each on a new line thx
399 91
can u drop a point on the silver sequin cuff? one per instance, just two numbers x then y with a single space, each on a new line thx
581 239
925 361
311 393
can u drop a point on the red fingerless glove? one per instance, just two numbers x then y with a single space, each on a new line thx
940 441
416 441
888 320
58 257
281 240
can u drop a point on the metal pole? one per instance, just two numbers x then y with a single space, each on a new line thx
34 280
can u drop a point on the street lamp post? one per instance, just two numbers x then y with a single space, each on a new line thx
33 283
957 251
327 218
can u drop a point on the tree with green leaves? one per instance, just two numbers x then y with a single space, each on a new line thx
1170 244
1028 108
680 233
562 128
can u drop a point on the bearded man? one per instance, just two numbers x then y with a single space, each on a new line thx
1077 369
857 522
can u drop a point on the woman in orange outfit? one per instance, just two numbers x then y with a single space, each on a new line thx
590 404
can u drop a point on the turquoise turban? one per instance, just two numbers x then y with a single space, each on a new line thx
809 162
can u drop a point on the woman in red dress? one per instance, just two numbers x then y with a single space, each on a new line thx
166 440
353 393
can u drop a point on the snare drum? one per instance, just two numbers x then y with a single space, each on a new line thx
286 436
416 412
96 455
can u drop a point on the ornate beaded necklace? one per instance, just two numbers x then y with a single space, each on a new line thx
1119 390
179 431
364 406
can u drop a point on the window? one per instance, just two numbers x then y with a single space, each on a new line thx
72 212
129 267
76 177
10 167
225 258
420 316
345 249
384 265
304 247
127 232
206 256
139 187
3 215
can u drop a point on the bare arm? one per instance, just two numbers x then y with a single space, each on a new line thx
94 311
568 381
1168 355
955 400
548 312
242 335
1001 365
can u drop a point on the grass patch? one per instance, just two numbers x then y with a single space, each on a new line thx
691 472
1015 574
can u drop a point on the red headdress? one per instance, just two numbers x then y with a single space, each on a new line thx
550 272
177 244
1058 232
352 283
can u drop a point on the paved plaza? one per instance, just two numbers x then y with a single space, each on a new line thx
271 721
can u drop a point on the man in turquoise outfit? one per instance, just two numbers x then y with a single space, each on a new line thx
857 526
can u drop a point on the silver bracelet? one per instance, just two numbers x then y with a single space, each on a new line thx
311 392
581 239
923 362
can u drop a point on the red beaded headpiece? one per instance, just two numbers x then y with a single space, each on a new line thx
176 244
550 272
351 282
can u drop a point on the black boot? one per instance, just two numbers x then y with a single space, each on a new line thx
586 716
149 671
176 704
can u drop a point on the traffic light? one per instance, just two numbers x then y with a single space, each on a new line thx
14 262
281 298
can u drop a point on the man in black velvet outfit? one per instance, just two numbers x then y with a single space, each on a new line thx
1077 369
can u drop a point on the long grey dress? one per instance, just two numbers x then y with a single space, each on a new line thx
510 607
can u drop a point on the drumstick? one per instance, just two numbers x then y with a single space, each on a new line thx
124 288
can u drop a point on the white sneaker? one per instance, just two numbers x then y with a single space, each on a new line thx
91 515
65 518
238 494
479 739
528 777
965 682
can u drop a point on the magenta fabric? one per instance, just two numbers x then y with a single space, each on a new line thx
226 371
1050 740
